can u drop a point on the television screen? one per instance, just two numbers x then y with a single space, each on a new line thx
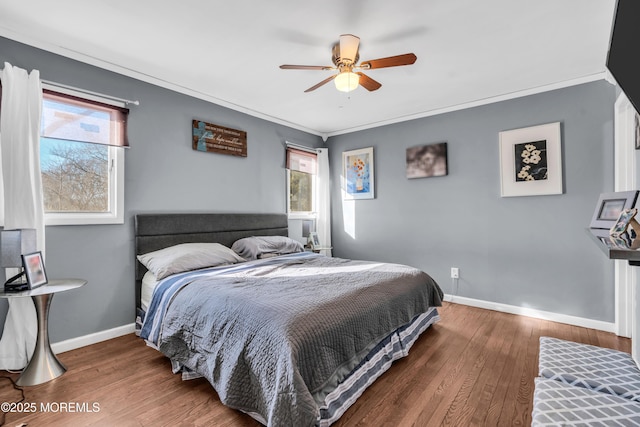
624 49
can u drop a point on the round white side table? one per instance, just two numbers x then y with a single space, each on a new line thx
44 365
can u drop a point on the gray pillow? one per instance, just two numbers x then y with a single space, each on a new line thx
187 257
256 247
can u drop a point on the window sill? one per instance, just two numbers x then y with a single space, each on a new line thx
82 219
302 215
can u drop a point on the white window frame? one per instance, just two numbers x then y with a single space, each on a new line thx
115 214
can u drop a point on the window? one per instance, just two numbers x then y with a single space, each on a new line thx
81 161
301 182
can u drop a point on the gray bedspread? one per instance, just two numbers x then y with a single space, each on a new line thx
275 338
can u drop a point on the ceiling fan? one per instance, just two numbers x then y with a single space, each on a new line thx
345 58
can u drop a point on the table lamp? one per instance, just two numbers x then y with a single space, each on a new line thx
13 244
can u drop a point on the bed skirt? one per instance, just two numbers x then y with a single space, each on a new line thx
377 362
395 346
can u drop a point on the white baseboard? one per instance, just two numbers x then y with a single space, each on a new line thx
74 343
530 312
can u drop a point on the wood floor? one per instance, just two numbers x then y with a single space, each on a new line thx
473 368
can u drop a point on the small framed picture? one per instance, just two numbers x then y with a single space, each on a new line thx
427 160
34 269
609 207
314 241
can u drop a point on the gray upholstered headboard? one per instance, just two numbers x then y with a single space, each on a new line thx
161 230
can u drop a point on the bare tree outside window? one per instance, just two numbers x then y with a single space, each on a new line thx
301 169
75 176
300 192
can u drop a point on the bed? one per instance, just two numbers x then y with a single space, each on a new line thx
290 337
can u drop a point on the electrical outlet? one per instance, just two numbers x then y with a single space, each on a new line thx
455 272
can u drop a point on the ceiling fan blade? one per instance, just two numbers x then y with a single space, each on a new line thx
368 83
306 67
349 47
325 81
391 61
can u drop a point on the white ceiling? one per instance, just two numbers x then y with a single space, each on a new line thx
469 51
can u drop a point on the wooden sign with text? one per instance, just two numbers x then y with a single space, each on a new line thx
219 139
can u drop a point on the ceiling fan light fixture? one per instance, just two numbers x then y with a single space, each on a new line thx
345 57
347 81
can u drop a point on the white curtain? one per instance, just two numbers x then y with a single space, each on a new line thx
323 226
22 204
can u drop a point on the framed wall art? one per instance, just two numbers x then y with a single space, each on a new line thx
218 139
531 161
427 160
610 206
357 174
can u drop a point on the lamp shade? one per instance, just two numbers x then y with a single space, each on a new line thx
347 81
14 243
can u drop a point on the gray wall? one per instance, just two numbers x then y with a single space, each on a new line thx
162 173
524 251
528 251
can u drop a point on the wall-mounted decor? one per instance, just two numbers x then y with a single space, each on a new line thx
427 160
609 207
219 139
531 161
357 174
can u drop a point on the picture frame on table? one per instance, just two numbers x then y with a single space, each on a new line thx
314 241
531 161
34 269
610 206
357 174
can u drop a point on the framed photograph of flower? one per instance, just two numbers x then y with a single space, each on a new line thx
357 174
531 161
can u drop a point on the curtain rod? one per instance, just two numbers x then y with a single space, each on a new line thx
55 85
301 147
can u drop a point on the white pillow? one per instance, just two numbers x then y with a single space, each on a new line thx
149 283
264 246
187 257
